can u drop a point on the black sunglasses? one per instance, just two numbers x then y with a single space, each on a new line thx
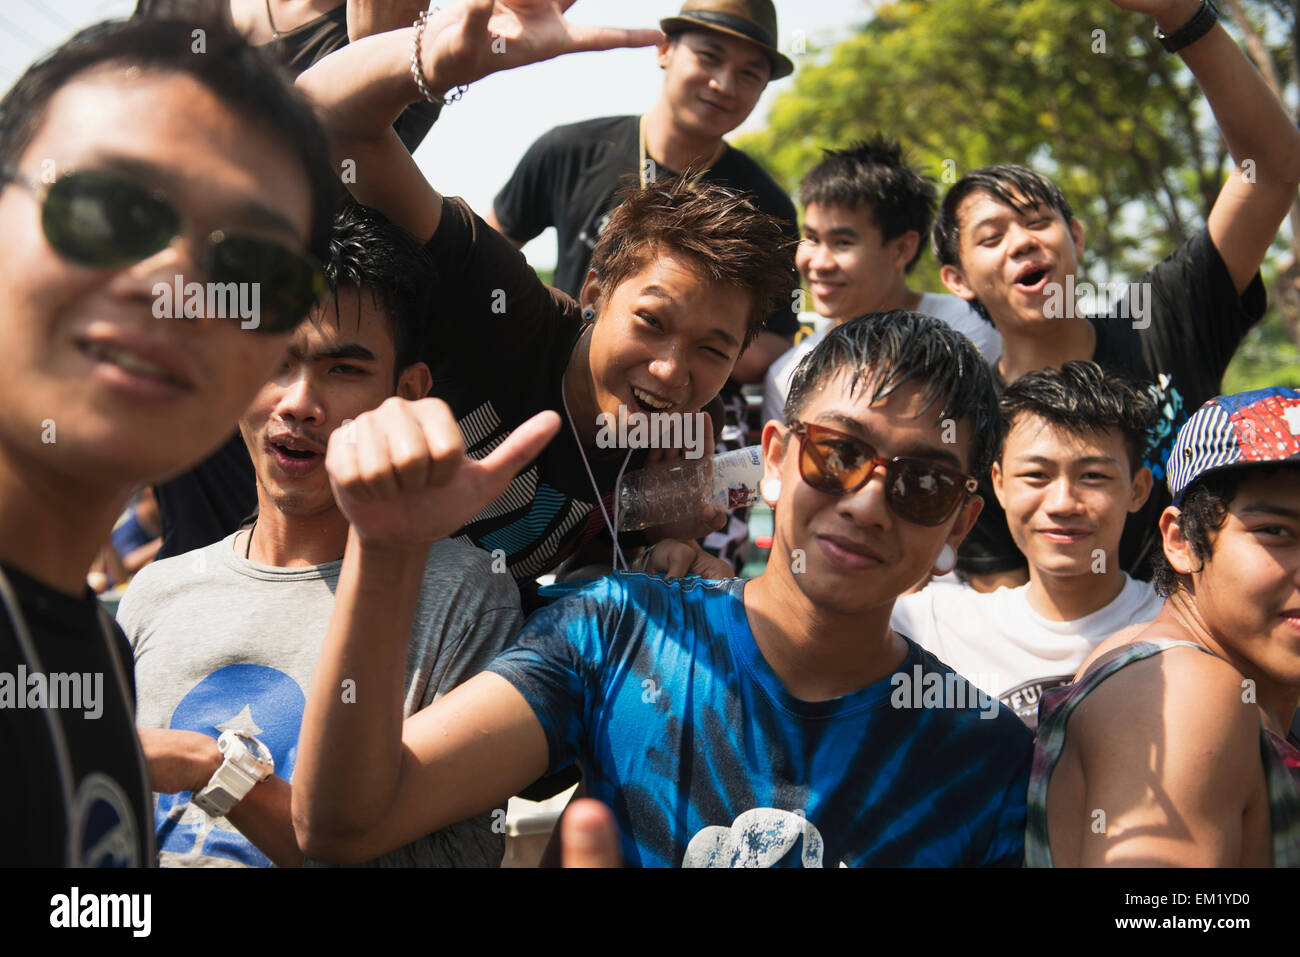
107 220
917 490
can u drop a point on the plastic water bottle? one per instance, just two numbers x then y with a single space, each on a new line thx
662 494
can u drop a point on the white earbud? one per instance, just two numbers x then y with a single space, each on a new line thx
770 489
947 560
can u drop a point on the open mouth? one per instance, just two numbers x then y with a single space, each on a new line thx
295 453
649 402
1031 278
293 456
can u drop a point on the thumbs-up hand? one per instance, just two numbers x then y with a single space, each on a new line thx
401 476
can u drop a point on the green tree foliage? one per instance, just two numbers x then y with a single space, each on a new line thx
1266 357
1079 90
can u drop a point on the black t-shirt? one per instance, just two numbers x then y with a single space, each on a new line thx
570 179
98 814
1196 322
498 348
208 502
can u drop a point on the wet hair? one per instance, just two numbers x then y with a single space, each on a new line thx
1079 397
882 350
1202 513
370 253
1017 186
717 230
872 173
244 78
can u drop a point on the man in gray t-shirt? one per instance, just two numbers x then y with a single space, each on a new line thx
224 642
226 638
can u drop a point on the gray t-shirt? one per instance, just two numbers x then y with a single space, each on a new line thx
221 642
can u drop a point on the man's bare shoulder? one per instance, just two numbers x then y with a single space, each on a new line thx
1169 750
1180 707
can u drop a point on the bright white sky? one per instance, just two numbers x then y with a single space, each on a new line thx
475 145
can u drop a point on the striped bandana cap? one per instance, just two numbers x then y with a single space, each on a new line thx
1261 426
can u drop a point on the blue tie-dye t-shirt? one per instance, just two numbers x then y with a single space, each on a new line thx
657 687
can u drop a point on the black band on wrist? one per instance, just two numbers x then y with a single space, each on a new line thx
1202 21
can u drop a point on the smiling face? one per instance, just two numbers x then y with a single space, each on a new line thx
666 339
712 81
135 397
849 553
1247 592
850 269
335 368
1008 258
1067 495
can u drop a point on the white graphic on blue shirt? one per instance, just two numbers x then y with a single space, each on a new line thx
659 689
261 701
760 837
103 827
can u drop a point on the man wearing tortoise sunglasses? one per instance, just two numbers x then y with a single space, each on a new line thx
778 721
129 158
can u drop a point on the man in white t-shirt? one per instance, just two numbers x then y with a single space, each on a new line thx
1068 475
865 213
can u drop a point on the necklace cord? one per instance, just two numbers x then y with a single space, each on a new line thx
644 173
275 34
617 557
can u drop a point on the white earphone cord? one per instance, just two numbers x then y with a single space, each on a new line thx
617 557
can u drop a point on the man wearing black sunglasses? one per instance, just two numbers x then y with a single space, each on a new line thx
726 723
129 160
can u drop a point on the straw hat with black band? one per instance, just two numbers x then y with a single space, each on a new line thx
752 20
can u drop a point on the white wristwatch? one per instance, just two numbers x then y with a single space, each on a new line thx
247 762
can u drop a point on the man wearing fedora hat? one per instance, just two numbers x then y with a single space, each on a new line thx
718 57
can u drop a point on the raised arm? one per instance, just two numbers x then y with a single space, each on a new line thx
490 217
1263 141
361 89
364 783
368 17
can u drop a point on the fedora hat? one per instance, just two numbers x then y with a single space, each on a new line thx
752 20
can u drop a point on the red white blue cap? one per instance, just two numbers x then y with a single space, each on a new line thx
1260 427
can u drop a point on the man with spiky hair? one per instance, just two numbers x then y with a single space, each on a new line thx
1068 475
679 286
117 175
1007 241
866 216
774 722
718 57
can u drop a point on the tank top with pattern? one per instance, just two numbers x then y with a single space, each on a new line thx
1281 760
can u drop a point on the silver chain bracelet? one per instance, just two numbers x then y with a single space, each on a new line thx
418 74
